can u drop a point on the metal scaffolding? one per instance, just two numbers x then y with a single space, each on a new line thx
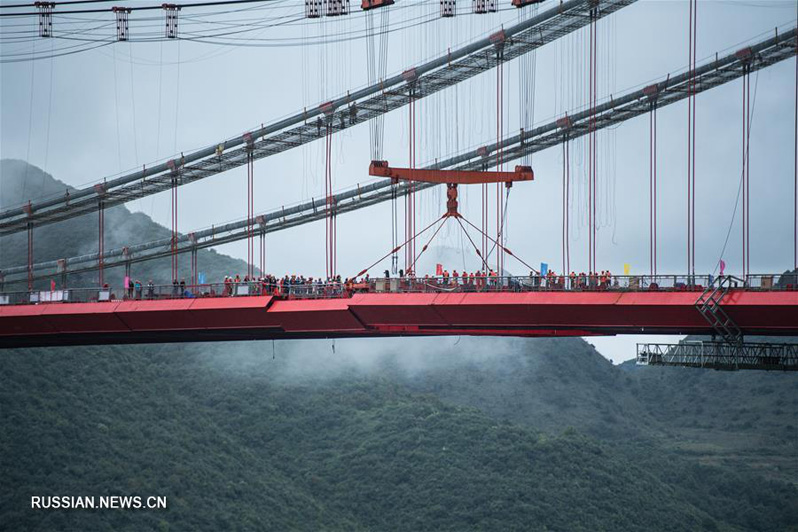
299 129
720 355
615 111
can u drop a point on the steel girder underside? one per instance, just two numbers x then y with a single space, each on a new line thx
526 314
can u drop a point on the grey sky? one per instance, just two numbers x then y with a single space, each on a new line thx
224 91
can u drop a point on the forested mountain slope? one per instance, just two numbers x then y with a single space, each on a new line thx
237 440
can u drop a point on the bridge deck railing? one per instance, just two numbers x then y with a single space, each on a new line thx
316 290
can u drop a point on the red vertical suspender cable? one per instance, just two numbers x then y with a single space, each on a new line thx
691 109
590 154
566 192
250 214
499 158
413 197
745 76
30 256
746 173
101 243
652 193
174 227
567 209
263 251
689 127
695 192
330 219
194 273
595 139
484 241
592 145
564 207
327 272
410 208
795 174
746 258
654 205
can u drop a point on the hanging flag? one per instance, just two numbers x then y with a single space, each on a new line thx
722 267
439 269
626 269
201 278
544 269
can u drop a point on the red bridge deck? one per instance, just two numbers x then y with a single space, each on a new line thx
390 314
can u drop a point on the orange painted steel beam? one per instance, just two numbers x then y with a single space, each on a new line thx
459 177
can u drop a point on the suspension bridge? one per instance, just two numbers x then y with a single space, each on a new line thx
372 304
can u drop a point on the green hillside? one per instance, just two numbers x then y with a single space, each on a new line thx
256 447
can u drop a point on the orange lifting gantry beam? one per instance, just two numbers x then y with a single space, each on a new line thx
456 177
451 178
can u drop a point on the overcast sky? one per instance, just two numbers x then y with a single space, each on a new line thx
92 115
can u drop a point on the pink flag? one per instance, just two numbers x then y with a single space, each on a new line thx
722 266
439 269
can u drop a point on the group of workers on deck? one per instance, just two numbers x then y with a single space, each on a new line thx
298 285
580 281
